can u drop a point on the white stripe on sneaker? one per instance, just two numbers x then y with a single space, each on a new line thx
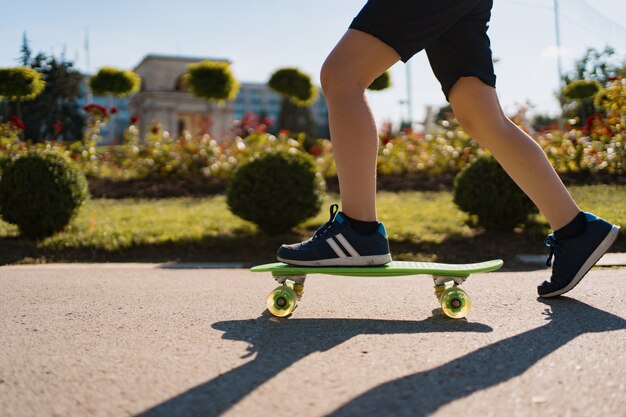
336 247
344 242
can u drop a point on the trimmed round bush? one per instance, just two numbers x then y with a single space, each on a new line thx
20 83
110 80
382 82
211 80
41 192
484 189
581 89
295 85
276 191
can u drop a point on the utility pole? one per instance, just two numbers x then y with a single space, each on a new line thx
558 40
558 56
409 96
87 64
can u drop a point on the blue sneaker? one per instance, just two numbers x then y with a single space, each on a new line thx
574 257
335 243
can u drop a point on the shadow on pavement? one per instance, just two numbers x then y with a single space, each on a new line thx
278 343
423 393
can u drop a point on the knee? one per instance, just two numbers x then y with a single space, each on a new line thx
477 109
478 125
338 79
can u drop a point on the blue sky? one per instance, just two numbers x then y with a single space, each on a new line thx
261 36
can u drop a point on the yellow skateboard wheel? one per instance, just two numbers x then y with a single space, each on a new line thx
455 303
282 301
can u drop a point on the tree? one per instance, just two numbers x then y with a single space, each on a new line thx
583 92
211 80
25 51
115 82
600 66
298 93
20 84
54 113
593 71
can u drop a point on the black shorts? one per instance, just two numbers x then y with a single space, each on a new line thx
453 33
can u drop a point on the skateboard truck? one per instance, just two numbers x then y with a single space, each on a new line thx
283 300
454 301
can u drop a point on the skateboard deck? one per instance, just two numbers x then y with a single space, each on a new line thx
454 301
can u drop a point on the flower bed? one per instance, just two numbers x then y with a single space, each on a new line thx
591 153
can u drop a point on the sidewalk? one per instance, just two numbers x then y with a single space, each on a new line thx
123 340
609 259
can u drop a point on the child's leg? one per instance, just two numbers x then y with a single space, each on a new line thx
477 109
350 68
357 239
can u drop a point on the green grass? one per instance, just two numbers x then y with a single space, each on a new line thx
421 226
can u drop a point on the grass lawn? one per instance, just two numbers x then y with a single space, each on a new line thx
421 226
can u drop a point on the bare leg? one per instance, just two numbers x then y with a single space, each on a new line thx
350 68
476 106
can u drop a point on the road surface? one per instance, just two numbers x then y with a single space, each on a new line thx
148 340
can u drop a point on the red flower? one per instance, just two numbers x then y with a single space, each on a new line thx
315 150
134 120
113 110
96 109
17 122
595 120
58 127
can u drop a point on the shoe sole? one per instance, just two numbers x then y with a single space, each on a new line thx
591 261
373 260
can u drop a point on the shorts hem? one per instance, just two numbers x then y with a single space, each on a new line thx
400 49
488 80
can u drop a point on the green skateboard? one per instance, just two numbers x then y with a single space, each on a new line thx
454 301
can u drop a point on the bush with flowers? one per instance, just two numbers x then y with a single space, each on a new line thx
446 149
592 150
598 146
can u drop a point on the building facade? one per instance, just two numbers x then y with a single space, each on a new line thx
259 100
163 99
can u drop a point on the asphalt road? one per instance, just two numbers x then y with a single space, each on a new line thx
141 340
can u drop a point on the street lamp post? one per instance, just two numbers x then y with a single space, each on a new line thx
558 56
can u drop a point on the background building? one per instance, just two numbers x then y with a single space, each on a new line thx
164 99
259 100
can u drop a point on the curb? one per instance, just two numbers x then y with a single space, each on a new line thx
609 259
